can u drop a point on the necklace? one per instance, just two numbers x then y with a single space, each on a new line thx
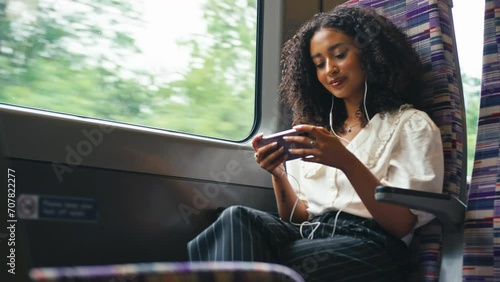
349 128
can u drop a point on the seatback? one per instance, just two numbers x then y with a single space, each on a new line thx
428 25
227 271
481 257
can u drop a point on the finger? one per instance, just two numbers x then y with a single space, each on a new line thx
302 152
265 150
311 159
273 158
311 129
270 157
313 132
304 128
304 140
322 130
278 164
256 139
313 143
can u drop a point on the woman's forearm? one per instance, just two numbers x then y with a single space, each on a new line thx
286 199
397 220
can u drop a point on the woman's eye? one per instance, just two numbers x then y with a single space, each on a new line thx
341 55
320 65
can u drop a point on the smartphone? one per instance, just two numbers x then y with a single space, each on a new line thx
278 137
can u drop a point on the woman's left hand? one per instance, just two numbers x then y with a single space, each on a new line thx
320 146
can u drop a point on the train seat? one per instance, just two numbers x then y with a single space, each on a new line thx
171 271
481 254
436 247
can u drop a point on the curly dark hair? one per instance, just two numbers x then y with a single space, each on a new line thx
392 67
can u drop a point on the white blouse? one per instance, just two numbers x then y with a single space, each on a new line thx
402 149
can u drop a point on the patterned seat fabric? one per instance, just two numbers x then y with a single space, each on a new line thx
481 251
179 272
428 26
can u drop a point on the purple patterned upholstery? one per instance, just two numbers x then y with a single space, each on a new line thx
163 272
427 24
426 253
482 247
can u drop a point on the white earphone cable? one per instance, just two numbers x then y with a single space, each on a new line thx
317 224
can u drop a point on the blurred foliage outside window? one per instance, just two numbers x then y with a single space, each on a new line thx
468 20
472 90
186 66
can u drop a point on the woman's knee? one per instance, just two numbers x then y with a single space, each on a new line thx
236 213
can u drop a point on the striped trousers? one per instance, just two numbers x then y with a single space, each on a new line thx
359 250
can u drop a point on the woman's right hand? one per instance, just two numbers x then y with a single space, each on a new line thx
270 157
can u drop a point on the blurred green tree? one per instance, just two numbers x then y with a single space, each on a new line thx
472 89
217 91
71 57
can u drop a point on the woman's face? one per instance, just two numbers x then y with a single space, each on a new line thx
338 64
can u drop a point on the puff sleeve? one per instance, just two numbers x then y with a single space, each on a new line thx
416 162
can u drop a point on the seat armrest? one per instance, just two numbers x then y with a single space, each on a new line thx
448 209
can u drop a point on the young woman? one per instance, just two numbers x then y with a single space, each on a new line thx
350 77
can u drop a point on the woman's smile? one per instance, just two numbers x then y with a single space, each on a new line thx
337 82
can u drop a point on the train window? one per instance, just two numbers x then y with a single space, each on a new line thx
187 66
469 22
